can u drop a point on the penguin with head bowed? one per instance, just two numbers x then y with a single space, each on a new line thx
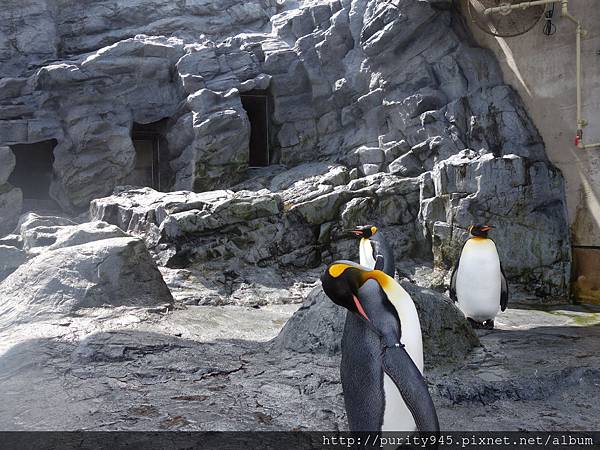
478 285
373 244
382 361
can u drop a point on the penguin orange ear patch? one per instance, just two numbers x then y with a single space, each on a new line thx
335 270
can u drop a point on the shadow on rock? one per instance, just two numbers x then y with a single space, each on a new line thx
132 380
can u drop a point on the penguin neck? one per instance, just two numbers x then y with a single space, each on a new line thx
409 319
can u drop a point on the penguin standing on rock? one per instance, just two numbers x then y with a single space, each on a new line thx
382 351
372 244
478 285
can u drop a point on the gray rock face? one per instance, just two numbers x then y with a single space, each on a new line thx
107 273
11 199
11 204
49 30
10 259
7 164
388 94
318 325
291 228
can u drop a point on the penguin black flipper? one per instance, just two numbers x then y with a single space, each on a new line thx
503 291
381 247
453 282
454 274
399 366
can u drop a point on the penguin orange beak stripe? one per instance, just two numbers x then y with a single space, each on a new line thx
361 311
356 232
487 228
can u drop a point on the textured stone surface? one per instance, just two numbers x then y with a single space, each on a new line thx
356 85
10 259
49 30
178 373
294 225
7 164
107 273
506 193
11 204
56 268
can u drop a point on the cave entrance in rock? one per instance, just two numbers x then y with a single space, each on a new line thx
256 105
33 169
149 143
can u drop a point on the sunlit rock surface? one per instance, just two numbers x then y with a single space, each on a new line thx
388 90
379 112
85 268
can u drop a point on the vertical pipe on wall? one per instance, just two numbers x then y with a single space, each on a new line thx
580 32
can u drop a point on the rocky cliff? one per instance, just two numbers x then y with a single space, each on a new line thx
379 111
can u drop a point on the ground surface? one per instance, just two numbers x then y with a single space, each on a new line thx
210 368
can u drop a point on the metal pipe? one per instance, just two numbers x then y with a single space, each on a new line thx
523 5
580 121
580 32
566 13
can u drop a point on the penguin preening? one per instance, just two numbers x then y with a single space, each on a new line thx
387 344
376 253
478 285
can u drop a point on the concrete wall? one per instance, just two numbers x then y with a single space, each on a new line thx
542 69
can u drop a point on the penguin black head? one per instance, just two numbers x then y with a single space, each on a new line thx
364 231
480 230
341 282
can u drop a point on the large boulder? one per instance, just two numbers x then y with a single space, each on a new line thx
318 325
106 273
42 238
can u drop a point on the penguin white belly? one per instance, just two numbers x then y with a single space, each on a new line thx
396 416
365 251
479 280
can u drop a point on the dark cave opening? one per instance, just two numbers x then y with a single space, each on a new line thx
33 169
150 146
256 104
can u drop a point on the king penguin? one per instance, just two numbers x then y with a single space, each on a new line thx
375 253
388 345
373 243
478 285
